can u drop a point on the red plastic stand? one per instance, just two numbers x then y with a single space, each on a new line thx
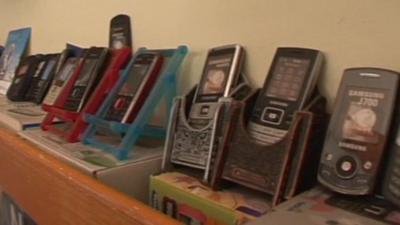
119 59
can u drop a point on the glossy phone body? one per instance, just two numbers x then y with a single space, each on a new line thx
358 130
29 67
220 75
288 87
89 76
131 96
120 32
42 78
60 80
391 184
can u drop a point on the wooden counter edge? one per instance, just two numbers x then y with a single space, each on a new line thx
52 192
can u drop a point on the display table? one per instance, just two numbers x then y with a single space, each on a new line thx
52 192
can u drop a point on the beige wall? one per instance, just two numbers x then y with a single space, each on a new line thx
350 32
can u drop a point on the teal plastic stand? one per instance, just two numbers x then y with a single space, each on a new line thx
165 87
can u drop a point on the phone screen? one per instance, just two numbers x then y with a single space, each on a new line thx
363 120
135 79
65 73
48 69
84 78
216 75
39 69
287 78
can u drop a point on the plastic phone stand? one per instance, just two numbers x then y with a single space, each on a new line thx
118 61
165 86
280 169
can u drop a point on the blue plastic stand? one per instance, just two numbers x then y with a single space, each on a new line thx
165 87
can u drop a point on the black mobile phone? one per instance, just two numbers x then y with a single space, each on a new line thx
60 80
29 67
142 76
220 75
391 182
91 73
44 74
358 130
290 83
120 32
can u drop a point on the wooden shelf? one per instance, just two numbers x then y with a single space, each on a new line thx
52 192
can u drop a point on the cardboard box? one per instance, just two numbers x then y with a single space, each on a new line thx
186 199
311 208
20 115
130 177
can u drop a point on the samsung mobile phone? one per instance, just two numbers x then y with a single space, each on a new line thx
142 76
42 78
29 67
60 80
358 130
288 87
89 77
220 75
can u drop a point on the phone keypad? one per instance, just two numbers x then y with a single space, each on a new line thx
265 135
119 108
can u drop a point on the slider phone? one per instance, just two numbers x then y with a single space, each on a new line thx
60 80
358 130
220 75
42 78
29 67
120 32
290 83
129 99
89 76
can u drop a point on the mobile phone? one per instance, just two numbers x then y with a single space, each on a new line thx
29 67
129 99
60 80
120 32
289 85
220 75
89 76
358 130
40 80
391 184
